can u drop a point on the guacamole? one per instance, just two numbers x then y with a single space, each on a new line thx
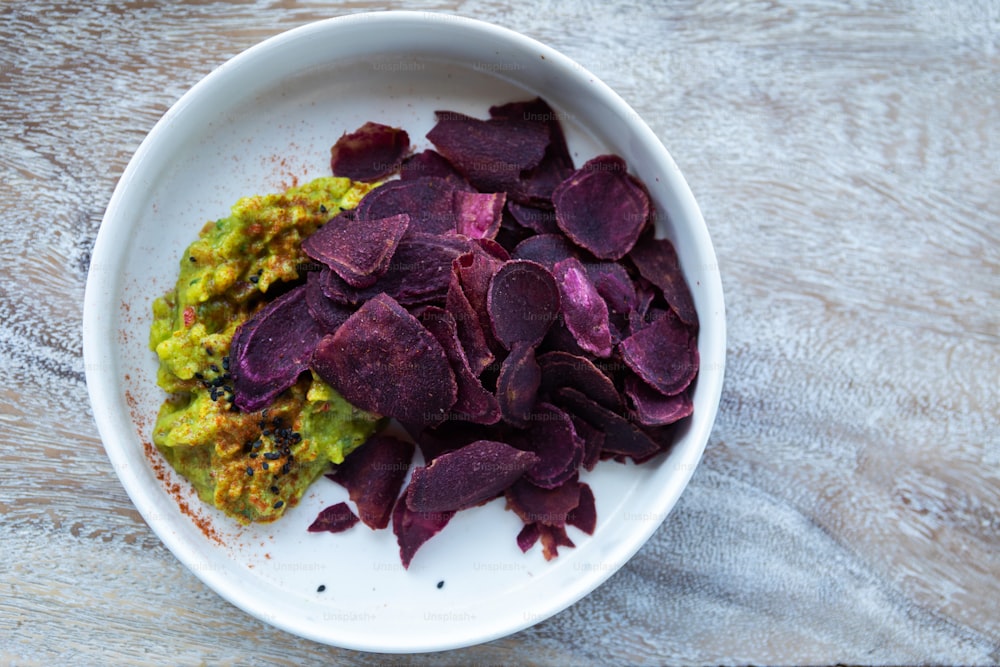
253 466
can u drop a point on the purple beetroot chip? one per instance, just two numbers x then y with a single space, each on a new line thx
467 477
523 301
468 326
584 515
528 536
370 153
517 385
664 354
538 220
585 312
413 529
427 200
548 507
271 349
552 538
562 369
333 519
546 249
373 476
602 208
652 408
327 312
553 438
478 214
491 154
657 262
621 436
473 402
432 163
384 361
359 251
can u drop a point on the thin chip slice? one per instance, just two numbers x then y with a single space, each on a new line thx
584 515
413 529
427 200
370 153
359 251
584 310
517 385
621 436
653 408
522 302
548 507
552 538
467 477
271 349
657 262
562 369
528 536
478 214
432 163
539 220
602 208
327 312
474 403
333 519
553 438
546 249
470 330
373 476
384 361
664 354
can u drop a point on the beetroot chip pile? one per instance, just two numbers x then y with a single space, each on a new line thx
514 314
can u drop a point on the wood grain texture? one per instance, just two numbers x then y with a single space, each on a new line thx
847 158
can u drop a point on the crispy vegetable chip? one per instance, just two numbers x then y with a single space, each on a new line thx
548 507
413 529
327 312
370 153
432 163
602 208
427 200
384 361
584 515
373 476
467 477
546 249
657 262
562 369
653 408
517 384
271 349
333 519
477 214
523 301
664 354
359 251
620 435
584 310
553 438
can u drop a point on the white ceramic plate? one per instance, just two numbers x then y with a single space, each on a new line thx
264 120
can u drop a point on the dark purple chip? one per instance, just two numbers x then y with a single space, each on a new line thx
373 474
553 438
475 272
469 328
451 435
620 435
432 163
593 442
517 385
473 403
546 249
548 507
328 313
562 369
528 536
384 361
602 208
413 529
538 220
584 515
657 262
271 349
522 302
478 214
333 519
359 251
653 408
467 477
370 153
428 201
491 154
664 354
584 310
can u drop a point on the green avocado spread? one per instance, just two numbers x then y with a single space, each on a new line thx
252 466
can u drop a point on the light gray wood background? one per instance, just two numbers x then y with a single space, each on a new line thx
845 155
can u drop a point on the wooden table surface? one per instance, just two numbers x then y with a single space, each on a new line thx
846 156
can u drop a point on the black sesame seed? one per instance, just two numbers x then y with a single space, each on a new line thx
321 588
225 363
264 465
266 431
209 351
440 584
256 444
199 376
279 504
274 489
254 279
191 258
253 455
322 209
272 456
249 471
285 468
213 367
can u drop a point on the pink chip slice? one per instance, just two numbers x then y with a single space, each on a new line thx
602 208
370 153
384 361
585 312
653 408
467 477
664 354
478 214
